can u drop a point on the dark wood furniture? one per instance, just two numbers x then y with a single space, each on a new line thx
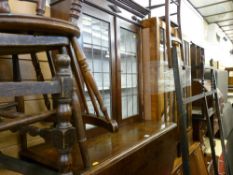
113 38
159 84
32 34
209 106
198 81
144 147
157 75
197 162
17 39
23 34
198 120
112 43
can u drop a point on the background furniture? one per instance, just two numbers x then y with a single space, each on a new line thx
197 162
112 38
113 53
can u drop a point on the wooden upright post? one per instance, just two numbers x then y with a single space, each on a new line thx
64 134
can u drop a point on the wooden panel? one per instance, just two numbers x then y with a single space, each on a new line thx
26 67
34 106
146 71
144 147
6 172
6 70
21 7
197 162
27 70
230 81
46 70
153 98
7 139
41 56
9 142
29 88
156 157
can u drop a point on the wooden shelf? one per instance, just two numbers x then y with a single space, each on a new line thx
150 143
197 113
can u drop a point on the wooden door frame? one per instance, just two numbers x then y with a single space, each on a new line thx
120 23
105 17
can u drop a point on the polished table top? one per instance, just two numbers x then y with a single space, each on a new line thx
109 148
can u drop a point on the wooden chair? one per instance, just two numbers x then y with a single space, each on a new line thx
24 34
62 136
31 34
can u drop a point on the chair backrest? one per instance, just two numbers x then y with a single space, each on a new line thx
40 8
75 8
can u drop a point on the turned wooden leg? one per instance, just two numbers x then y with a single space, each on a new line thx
80 130
64 134
40 77
17 77
51 63
77 74
90 82
77 120
87 76
20 100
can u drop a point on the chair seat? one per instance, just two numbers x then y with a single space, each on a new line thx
36 25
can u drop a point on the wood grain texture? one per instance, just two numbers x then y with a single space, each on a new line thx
36 23
110 152
19 7
197 162
29 88
153 70
9 141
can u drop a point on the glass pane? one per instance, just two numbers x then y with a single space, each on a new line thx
135 104
96 46
129 73
124 109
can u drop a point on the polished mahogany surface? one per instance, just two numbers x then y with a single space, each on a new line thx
40 24
142 147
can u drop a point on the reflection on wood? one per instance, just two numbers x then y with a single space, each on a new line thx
158 76
132 145
197 162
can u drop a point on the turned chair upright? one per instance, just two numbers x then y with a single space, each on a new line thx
29 34
21 34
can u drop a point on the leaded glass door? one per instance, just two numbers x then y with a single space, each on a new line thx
129 59
112 49
96 29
